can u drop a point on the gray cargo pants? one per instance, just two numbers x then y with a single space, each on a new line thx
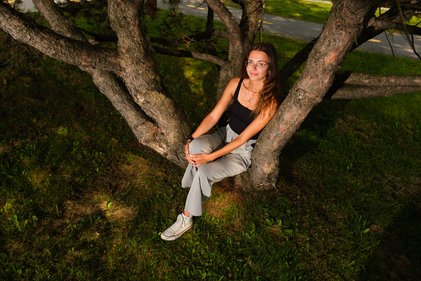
200 179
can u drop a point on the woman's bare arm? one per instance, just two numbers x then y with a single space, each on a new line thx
213 117
256 126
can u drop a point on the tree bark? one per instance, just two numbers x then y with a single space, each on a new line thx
251 21
125 76
54 45
358 85
57 21
143 83
235 45
106 82
346 20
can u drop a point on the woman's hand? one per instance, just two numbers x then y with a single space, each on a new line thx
187 153
200 159
196 159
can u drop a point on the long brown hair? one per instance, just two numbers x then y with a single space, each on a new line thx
270 93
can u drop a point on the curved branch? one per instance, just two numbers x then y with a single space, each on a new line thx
210 58
408 30
57 21
143 128
386 24
106 82
190 54
56 46
394 19
226 16
359 85
235 41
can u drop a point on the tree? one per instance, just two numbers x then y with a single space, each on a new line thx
125 74
349 22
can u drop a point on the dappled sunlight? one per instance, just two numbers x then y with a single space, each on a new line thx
140 171
195 71
98 203
38 177
307 10
82 200
73 210
225 206
192 84
116 211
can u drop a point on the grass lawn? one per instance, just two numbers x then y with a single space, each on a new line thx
307 10
312 11
80 199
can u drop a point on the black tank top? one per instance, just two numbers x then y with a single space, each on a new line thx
241 116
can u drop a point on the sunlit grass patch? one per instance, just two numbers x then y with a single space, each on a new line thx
140 171
222 201
224 208
312 11
116 211
98 203
187 86
37 177
380 64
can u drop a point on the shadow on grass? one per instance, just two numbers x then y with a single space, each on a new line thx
315 127
191 85
398 256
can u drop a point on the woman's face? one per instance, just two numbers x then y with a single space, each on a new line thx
257 65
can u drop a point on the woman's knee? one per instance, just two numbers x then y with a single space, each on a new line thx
203 144
208 173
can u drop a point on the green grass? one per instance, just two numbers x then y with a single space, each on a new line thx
311 11
81 200
306 10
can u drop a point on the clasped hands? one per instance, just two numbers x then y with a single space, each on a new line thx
196 159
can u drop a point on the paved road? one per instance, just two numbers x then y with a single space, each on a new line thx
306 31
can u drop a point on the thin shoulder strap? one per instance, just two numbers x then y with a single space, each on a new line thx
237 91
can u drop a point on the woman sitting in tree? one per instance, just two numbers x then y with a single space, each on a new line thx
252 100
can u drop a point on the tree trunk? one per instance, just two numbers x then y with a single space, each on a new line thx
235 51
251 21
125 76
105 81
346 20
240 37
143 83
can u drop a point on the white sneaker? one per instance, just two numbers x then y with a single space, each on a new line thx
181 225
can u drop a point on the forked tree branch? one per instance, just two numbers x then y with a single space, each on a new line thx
54 45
